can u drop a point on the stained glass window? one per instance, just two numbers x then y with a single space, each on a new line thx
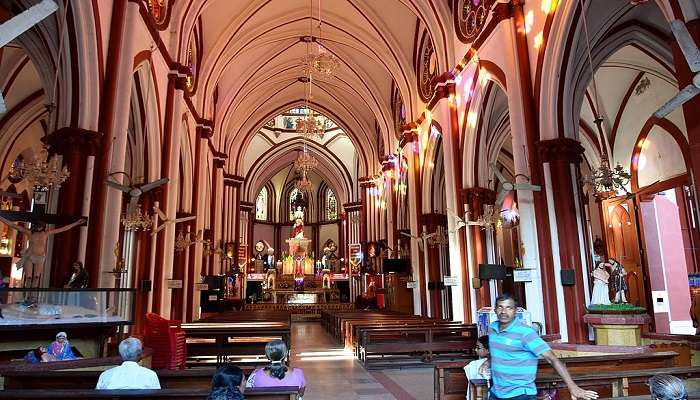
261 205
331 206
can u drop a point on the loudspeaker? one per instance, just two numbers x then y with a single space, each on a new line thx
209 300
396 265
145 286
492 271
215 281
568 277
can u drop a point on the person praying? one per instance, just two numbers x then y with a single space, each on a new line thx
79 278
60 349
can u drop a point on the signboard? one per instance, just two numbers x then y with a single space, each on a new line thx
201 286
355 252
522 275
256 277
450 281
174 283
411 285
242 253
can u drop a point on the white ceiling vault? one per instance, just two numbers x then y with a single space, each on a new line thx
250 62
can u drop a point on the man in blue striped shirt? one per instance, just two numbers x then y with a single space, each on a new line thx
515 349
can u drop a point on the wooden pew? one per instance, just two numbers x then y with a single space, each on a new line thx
352 342
450 383
608 383
234 333
278 393
414 346
193 378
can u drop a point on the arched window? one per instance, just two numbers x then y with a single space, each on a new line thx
331 206
261 205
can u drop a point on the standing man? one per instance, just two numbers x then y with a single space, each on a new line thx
515 349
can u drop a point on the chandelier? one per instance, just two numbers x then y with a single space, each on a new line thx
136 220
42 173
305 162
312 124
606 180
303 184
323 63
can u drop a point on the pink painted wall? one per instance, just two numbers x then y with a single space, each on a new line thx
654 260
674 258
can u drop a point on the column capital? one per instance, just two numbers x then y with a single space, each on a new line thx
478 194
366 182
434 219
561 149
73 140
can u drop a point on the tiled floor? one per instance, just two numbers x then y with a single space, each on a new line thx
332 373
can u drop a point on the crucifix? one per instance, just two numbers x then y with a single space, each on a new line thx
33 257
19 24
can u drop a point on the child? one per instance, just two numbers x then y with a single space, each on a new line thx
479 370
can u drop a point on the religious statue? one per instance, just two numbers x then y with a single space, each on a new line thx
298 229
600 284
58 350
269 260
79 278
260 257
619 282
34 255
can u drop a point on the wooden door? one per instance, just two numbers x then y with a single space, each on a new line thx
623 245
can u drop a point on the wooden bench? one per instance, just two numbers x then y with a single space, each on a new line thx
193 378
353 334
607 384
226 336
414 346
277 393
450 381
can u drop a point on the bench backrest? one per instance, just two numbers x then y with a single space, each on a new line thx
278 393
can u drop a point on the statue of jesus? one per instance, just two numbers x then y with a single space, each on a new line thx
298 229
34 255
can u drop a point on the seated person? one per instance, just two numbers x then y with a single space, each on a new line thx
60 349
479 369
129 375
40 354
277 373
79 278
667 387
227 384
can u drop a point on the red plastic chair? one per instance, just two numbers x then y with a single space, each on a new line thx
167 339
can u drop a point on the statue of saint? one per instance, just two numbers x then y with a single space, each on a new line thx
619 283
600 284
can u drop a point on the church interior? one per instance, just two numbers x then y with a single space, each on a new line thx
359 179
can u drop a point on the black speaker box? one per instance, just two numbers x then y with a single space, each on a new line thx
145 286
568 277
396 265
492 271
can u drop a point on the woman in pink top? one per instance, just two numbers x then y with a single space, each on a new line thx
277 373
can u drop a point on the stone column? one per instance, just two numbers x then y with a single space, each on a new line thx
692 124
436 285
564 156
75 145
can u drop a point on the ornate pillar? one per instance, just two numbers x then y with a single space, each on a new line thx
215 208
194 271
415 201
75 145
564 156
114 114
474 201
692 125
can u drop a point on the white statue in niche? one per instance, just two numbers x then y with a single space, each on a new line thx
601 276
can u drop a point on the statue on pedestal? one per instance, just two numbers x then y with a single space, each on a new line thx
600 284
619 282
298 229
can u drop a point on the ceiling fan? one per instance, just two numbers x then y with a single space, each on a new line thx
508 186
692 57
135 190
487 221
166 221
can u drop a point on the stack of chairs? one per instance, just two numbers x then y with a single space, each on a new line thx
167 340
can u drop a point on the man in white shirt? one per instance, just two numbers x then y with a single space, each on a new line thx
129 375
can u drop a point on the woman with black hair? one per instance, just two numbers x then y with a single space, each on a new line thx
226 384
277 373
